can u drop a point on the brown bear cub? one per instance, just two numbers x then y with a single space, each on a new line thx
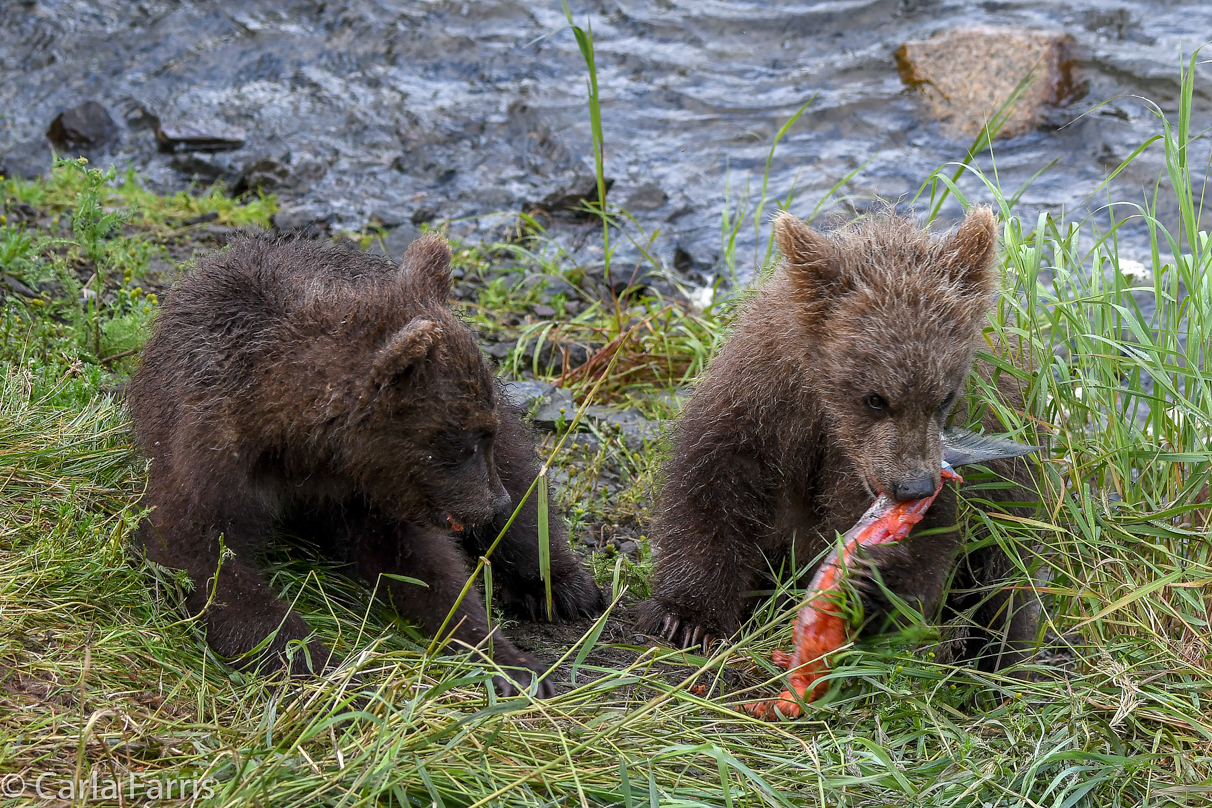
834 385
302 384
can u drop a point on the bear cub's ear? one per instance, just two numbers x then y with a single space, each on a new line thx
426 268
813 262
403 351
970 250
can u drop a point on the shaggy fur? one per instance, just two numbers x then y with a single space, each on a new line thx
302 382
835 384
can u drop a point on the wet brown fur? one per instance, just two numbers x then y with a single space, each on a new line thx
784 442
293 382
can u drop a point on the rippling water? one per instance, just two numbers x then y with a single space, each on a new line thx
473 108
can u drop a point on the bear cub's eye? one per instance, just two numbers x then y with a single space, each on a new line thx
876 403
475 444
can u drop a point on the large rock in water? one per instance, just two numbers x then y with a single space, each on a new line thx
966 74
87 126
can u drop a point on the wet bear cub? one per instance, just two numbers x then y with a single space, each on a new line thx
834 385
302 384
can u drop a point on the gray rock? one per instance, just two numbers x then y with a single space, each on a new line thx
175 136
303 217
510 280
558 406
646 198
633 428
268 174
525 394
966 74
387 219
551 285
28 160
87 126
304 173
499 350
683 261
629 547
554 354
205 167
276 174
393 243
544 311
638 434
586 441
684 210
220 235
567 200
137 115
10 284
424 215
674 398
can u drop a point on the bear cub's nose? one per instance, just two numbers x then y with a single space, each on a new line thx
914 486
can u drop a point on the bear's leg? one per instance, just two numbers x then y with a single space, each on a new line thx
384 546
700 596
515 561
238 607
1004 620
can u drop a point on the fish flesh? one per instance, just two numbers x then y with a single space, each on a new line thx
820 627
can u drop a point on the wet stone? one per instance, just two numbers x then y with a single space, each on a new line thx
628 547
177 136
219 234
27 160
394 242
632 427
499 350
303 218
966 74
551 285
138 117
87 126
387 219
525 394
683 261
204 168
543 311
556 355
9 284
266 174
424 215
569 199
557 408
646 198
585 441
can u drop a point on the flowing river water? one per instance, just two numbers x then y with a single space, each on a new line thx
470 109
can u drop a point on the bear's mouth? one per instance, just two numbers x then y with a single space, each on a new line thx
455 525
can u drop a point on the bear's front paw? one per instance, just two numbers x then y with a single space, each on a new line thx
519 671
680 630
574 596
577 596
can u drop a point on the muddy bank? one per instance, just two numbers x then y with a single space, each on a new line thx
461 111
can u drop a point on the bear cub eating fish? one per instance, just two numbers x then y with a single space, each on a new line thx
298 384
836 382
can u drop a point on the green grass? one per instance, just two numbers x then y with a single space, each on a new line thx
100 673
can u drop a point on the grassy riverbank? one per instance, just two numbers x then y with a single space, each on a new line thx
102 678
